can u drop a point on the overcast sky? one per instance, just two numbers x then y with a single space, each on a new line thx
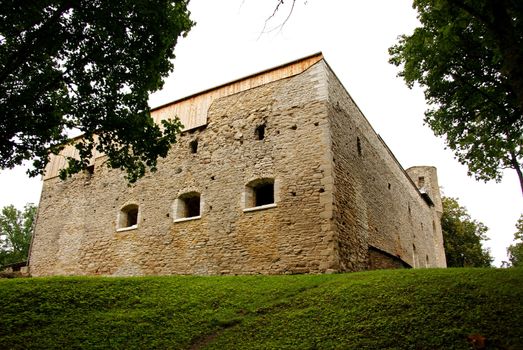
354 36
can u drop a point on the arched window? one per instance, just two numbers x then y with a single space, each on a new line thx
128 217
259 193
187 206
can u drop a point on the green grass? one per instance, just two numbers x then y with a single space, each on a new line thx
398 309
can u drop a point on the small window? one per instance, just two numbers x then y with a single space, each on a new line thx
260 132
421 182
264 194
358 145
90 170
193 145
188 206
259 193
128 217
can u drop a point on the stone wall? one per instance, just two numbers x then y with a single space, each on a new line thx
339 196
77 233
375 202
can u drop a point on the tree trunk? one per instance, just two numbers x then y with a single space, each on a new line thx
517 167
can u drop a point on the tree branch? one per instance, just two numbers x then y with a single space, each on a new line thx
504 34
279 3
515 164
33 40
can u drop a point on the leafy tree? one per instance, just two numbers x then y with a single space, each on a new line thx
468 57
16 228
515 251
462 237
86 65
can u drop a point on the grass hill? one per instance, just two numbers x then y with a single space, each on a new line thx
395 309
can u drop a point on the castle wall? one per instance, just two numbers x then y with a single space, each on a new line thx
376 205
341 200
77 230
425 179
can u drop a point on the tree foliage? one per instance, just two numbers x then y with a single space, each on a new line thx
468 57
515 251
86 65
16 228
462 237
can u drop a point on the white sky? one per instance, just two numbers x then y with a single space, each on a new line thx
354 36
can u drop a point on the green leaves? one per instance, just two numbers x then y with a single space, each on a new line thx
462 237
459 60
16 228
515 251
88 66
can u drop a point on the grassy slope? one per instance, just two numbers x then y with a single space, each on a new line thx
399 309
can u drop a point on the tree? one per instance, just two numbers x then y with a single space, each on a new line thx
468 57
89 66
16 228
515 251
462 237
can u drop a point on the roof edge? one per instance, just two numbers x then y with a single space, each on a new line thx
318 54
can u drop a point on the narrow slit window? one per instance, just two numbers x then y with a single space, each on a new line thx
260 132
358 145
193 145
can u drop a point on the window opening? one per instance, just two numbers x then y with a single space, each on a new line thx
260 132
264 194
358 145
90 170
421 182
188 205
193 145
259 192
128 216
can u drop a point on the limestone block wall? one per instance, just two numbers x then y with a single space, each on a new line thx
376 205
77 233
426 180
341 200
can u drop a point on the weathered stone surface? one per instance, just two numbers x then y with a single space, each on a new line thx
337 191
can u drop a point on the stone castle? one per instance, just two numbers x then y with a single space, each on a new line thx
275 173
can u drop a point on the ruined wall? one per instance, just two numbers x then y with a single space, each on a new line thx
77 231
375 203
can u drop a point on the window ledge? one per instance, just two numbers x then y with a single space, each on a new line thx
188 219
133 227
261 207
